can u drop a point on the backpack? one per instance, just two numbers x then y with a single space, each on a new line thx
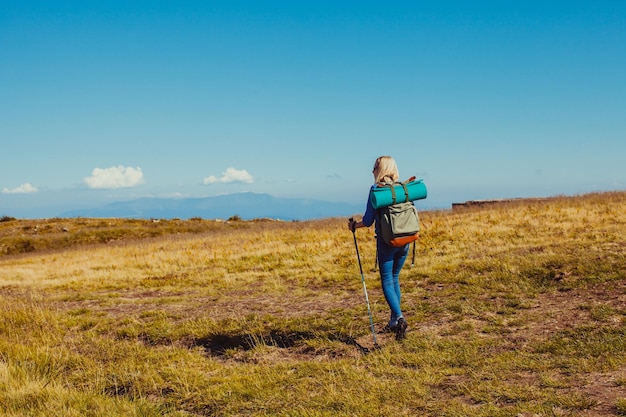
398 224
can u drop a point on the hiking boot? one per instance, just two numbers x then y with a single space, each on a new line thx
401 328
389 329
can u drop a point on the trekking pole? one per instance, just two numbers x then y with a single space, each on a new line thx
367 300
413 260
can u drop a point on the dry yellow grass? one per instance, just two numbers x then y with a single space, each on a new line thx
516 309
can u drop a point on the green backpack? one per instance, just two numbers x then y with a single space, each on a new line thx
398 224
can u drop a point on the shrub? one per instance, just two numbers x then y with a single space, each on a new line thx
19 246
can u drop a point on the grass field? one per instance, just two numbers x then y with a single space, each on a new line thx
515 309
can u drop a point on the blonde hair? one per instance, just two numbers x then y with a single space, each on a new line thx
385 170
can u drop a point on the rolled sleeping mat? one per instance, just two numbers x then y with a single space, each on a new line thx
383 196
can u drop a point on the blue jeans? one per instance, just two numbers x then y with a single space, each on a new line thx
390 262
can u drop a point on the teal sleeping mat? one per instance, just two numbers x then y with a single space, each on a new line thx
383 196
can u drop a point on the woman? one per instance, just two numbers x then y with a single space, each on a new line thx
390 259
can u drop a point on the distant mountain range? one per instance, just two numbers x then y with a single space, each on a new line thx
245 205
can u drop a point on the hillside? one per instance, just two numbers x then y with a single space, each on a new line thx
514 309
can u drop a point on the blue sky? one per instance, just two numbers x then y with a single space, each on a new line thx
103 101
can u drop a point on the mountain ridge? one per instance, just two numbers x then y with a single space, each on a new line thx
246 205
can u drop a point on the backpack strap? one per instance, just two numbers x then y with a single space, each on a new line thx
393 190
392 185
406 190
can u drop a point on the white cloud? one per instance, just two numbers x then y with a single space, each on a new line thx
115 177
25 188
230 175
